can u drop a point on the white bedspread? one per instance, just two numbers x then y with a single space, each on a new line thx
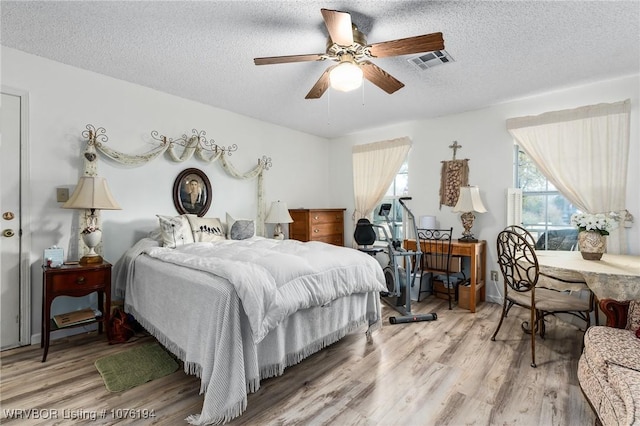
277 278
212 317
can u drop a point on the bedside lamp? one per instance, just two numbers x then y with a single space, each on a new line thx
469 202
278 214
92 193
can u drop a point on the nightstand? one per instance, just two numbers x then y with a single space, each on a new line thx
75 281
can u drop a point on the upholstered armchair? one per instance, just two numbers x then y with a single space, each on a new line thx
609 368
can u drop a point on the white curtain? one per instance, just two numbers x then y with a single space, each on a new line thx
375 165
584 154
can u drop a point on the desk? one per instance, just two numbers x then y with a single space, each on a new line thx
477 253
616 276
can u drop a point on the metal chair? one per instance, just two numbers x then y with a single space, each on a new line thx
522 231
436 256
519 266
555 283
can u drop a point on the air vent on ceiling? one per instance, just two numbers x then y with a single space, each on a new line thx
431 59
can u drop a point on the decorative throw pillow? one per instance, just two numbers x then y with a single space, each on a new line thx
206 229
633 315
240 229
175 230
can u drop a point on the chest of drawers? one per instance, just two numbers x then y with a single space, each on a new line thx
326 225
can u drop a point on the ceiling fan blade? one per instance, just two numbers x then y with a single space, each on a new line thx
339 26
321 85
380 77
407 46
288 59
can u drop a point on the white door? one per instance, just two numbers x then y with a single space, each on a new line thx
14 264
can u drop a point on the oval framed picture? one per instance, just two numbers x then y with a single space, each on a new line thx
192 192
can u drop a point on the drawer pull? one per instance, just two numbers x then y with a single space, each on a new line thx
316 231
80 280
316 217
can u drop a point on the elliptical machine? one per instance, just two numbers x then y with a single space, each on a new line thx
399 279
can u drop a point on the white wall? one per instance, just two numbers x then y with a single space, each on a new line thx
64 99
489 148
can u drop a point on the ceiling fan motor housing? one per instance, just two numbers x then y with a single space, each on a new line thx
356 50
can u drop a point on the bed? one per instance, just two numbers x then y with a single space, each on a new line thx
236 312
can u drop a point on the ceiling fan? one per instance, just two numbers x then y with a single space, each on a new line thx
348 46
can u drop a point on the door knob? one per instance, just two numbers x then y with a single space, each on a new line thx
8 233
8 215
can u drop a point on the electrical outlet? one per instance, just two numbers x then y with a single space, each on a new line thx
62 195
494 275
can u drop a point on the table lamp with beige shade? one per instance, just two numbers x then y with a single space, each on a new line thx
469 202
92 193
278 214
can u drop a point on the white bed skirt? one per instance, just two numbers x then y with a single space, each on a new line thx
232 365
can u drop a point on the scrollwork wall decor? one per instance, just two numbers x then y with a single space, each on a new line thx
266 162
178 150
94 136
196 143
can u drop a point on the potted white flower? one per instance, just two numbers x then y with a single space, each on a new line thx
592 231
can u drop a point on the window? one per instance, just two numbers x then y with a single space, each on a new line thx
546 213
399 188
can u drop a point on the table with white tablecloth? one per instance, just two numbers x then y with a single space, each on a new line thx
615 276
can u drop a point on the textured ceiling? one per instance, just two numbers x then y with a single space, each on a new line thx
204 51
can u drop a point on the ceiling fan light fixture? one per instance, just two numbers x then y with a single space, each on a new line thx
346 76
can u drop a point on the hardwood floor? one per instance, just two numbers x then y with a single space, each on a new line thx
444 372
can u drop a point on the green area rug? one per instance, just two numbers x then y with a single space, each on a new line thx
135 366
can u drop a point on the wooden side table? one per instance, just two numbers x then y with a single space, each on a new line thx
75 281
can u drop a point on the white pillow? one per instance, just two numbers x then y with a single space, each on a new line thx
175 230
156 234
240 229
206 229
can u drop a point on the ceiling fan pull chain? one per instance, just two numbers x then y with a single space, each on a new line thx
329 108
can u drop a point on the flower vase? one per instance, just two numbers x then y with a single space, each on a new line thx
592 244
